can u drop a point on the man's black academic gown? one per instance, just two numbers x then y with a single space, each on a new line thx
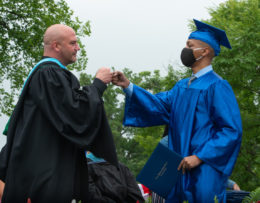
52 124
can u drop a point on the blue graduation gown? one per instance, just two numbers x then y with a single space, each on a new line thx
204 120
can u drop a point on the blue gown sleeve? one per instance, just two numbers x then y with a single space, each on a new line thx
144 109
225 135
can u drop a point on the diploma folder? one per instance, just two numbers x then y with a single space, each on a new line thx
160 173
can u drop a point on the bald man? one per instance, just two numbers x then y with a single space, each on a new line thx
52 125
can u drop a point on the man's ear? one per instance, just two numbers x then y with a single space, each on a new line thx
55 46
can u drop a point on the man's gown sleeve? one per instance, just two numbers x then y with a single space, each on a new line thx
222 147
144 109
75 114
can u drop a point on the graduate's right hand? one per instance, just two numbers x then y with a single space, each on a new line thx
104 75
189 162
120 79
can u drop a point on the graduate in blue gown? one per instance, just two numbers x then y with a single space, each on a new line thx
203 117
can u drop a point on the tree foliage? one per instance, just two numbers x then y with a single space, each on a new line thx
254 196
22 25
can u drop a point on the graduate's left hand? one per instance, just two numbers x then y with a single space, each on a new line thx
189 162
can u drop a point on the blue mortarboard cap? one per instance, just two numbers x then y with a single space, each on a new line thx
210 35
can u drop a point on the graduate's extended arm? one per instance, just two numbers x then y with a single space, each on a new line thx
142 108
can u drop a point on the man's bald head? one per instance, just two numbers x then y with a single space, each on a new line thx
57 33
60 42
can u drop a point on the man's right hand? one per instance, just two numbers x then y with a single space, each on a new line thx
119 79
104 75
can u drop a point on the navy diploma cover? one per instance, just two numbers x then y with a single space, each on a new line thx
160 172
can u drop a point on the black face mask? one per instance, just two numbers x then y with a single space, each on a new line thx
187 57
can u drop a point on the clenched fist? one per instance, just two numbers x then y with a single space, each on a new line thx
104 74
119 79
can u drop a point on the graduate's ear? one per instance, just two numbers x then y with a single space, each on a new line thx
206 51
209 52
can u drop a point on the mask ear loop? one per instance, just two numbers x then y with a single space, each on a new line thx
200 56
198 48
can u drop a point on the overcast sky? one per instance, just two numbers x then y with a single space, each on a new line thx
137 34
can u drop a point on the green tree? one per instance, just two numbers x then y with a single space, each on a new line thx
241 67
22 25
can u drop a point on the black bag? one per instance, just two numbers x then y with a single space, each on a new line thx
107 183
